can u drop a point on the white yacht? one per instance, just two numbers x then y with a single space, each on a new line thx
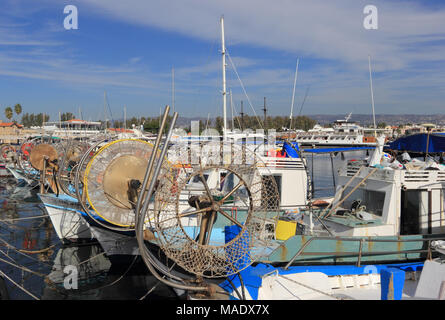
342 133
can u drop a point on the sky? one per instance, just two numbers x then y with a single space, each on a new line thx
129 49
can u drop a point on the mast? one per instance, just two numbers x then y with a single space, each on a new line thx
105 109
223 53
265 113
293 96
125 117
372 95
207 123
242 116
173 89
231 107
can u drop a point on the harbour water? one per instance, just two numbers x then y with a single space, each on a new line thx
41 267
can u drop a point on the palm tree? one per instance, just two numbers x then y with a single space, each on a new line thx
8 113
18 109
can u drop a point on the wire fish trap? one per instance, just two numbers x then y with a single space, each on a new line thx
211 218
69 158
113 177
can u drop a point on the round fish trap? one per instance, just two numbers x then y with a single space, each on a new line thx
212 218
69 159
113 178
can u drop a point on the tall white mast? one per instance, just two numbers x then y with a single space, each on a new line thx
293 96
372 94
223 52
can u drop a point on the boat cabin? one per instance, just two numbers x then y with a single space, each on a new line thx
387 202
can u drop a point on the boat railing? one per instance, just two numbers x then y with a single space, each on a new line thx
361 242
406 176
423 176
287 163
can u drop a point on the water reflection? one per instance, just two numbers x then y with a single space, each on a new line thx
32 256
97 278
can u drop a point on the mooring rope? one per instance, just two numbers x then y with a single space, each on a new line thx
25 218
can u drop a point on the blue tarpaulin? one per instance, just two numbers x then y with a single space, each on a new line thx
418 143
291 151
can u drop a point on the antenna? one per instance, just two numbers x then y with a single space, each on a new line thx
293 96
223 52
372 95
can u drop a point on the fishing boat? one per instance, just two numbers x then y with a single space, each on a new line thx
384 226
385 217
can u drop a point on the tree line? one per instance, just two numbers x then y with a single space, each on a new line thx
34 120
279 123
152 124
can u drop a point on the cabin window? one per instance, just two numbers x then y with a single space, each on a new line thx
229 182
372 200
198 179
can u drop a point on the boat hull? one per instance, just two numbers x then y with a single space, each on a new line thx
303 249
67 219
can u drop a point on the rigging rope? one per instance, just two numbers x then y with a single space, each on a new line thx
242 86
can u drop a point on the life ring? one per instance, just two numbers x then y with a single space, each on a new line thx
5 149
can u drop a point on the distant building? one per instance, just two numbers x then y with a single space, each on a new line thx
10 132
120 130
72 128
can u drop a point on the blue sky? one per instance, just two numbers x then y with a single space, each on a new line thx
128 49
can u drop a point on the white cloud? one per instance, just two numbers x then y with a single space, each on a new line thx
317 28
407 52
